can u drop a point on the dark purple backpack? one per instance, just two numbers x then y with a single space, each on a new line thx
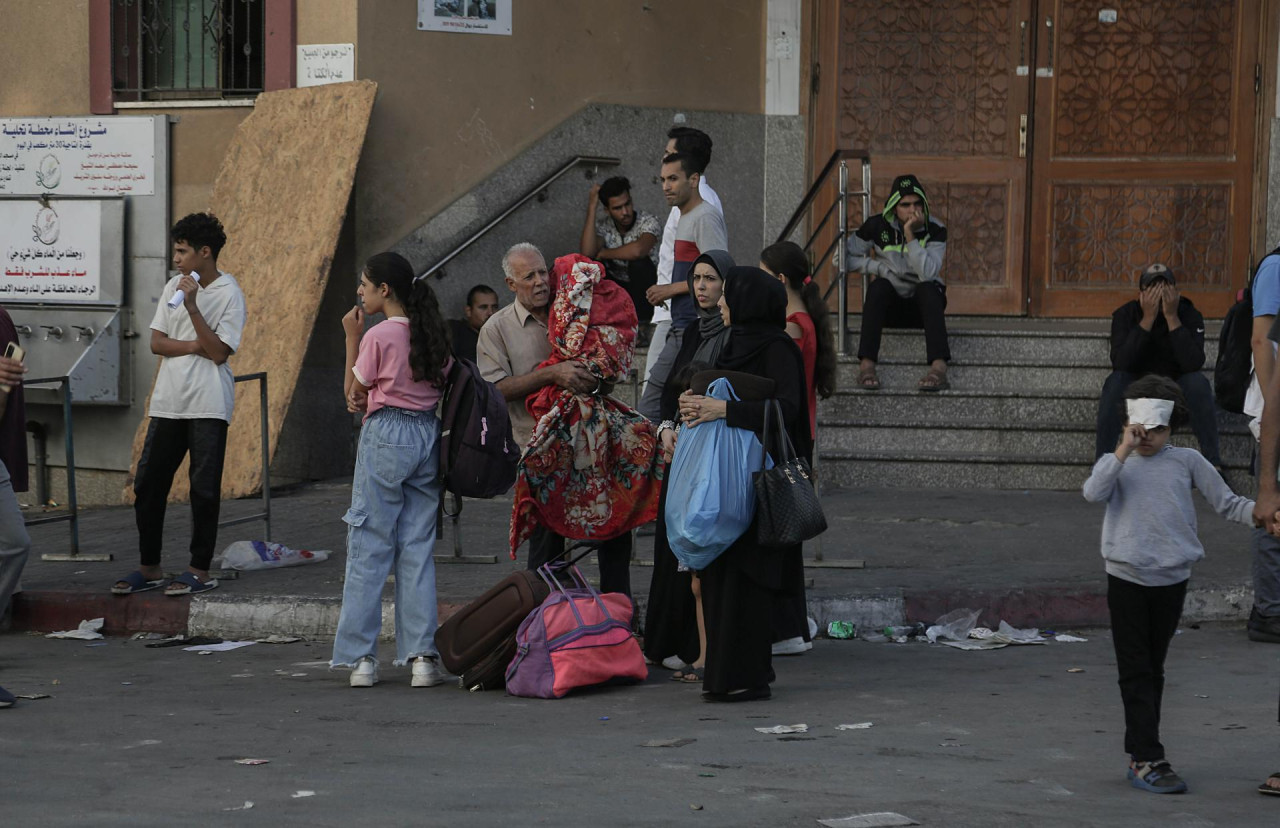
478 455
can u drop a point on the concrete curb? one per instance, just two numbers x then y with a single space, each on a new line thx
240 617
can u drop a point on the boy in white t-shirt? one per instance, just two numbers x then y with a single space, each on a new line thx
190 406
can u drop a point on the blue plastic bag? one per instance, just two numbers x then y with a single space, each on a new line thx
710 496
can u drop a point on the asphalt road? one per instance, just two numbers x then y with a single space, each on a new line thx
142 737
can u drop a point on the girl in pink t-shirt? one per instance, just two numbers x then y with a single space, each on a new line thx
395 374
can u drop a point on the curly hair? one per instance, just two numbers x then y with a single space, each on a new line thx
200 230
1157 387
429 347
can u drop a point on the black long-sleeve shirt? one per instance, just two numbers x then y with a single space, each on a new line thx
1157 351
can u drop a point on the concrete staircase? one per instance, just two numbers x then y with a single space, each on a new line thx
1020 413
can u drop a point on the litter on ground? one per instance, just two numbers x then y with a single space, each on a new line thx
220 647
858 726
87 631
882 819
780 729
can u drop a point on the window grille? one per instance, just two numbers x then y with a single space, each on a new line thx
186 49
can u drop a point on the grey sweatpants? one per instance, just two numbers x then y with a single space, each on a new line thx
659 369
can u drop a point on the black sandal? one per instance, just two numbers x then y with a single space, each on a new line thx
1270 790
750 694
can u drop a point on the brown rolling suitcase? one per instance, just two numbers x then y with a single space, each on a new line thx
479 629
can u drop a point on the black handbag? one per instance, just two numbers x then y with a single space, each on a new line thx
787 507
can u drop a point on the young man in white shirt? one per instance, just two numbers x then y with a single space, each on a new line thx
190 406
695 144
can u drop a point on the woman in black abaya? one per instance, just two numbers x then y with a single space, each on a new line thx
670 627
740 587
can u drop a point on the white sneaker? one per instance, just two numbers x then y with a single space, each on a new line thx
674 663
365 674
789 646
427 672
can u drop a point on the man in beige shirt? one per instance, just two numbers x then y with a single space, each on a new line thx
512 344
514 341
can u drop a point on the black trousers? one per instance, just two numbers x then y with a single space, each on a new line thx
168 441
884 308
1200 405
1143 622
614 556
642 274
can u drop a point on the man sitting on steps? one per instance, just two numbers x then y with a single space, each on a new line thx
1160 332
901 251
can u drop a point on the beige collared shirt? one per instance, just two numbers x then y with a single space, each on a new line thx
511 344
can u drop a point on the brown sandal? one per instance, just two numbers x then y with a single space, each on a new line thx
868 380
934 381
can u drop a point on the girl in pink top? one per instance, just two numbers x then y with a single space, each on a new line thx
808 321
395 374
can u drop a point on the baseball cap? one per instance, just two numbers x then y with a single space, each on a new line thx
1155 273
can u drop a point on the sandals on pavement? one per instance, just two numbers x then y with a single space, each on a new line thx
1155 777
189 584
868 380
689 675
1271 790
136 582
934 381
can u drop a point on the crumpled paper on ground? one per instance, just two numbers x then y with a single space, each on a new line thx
87 631
780 729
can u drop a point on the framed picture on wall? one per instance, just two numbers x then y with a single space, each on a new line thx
465 16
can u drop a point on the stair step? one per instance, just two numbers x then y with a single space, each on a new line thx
1020 378
1050 346
944 409
936 470
1074 441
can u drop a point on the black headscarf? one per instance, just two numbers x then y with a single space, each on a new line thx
711 329
757 316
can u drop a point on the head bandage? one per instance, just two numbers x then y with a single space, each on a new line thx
1149 413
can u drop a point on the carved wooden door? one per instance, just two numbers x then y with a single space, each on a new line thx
933 88
1143 143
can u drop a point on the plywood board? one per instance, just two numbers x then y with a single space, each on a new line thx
282 194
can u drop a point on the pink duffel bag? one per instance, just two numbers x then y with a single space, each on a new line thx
576 638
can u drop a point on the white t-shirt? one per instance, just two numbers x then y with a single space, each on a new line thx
194 387
667 249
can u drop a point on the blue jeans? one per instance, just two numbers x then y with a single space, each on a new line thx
392 523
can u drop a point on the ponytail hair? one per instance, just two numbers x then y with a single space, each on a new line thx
429 347
788 260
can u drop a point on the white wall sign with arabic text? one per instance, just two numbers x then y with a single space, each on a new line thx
103 157
320 63
53 252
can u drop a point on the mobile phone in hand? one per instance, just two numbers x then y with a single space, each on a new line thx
13 351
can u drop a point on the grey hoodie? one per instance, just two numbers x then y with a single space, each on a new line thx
1149 534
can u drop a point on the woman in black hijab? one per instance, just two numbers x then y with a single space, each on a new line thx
671 636
740 588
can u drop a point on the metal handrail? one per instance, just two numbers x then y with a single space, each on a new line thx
577 160
836 157
838 163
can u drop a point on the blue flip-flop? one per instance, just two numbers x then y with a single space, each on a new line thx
137 583
190 585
